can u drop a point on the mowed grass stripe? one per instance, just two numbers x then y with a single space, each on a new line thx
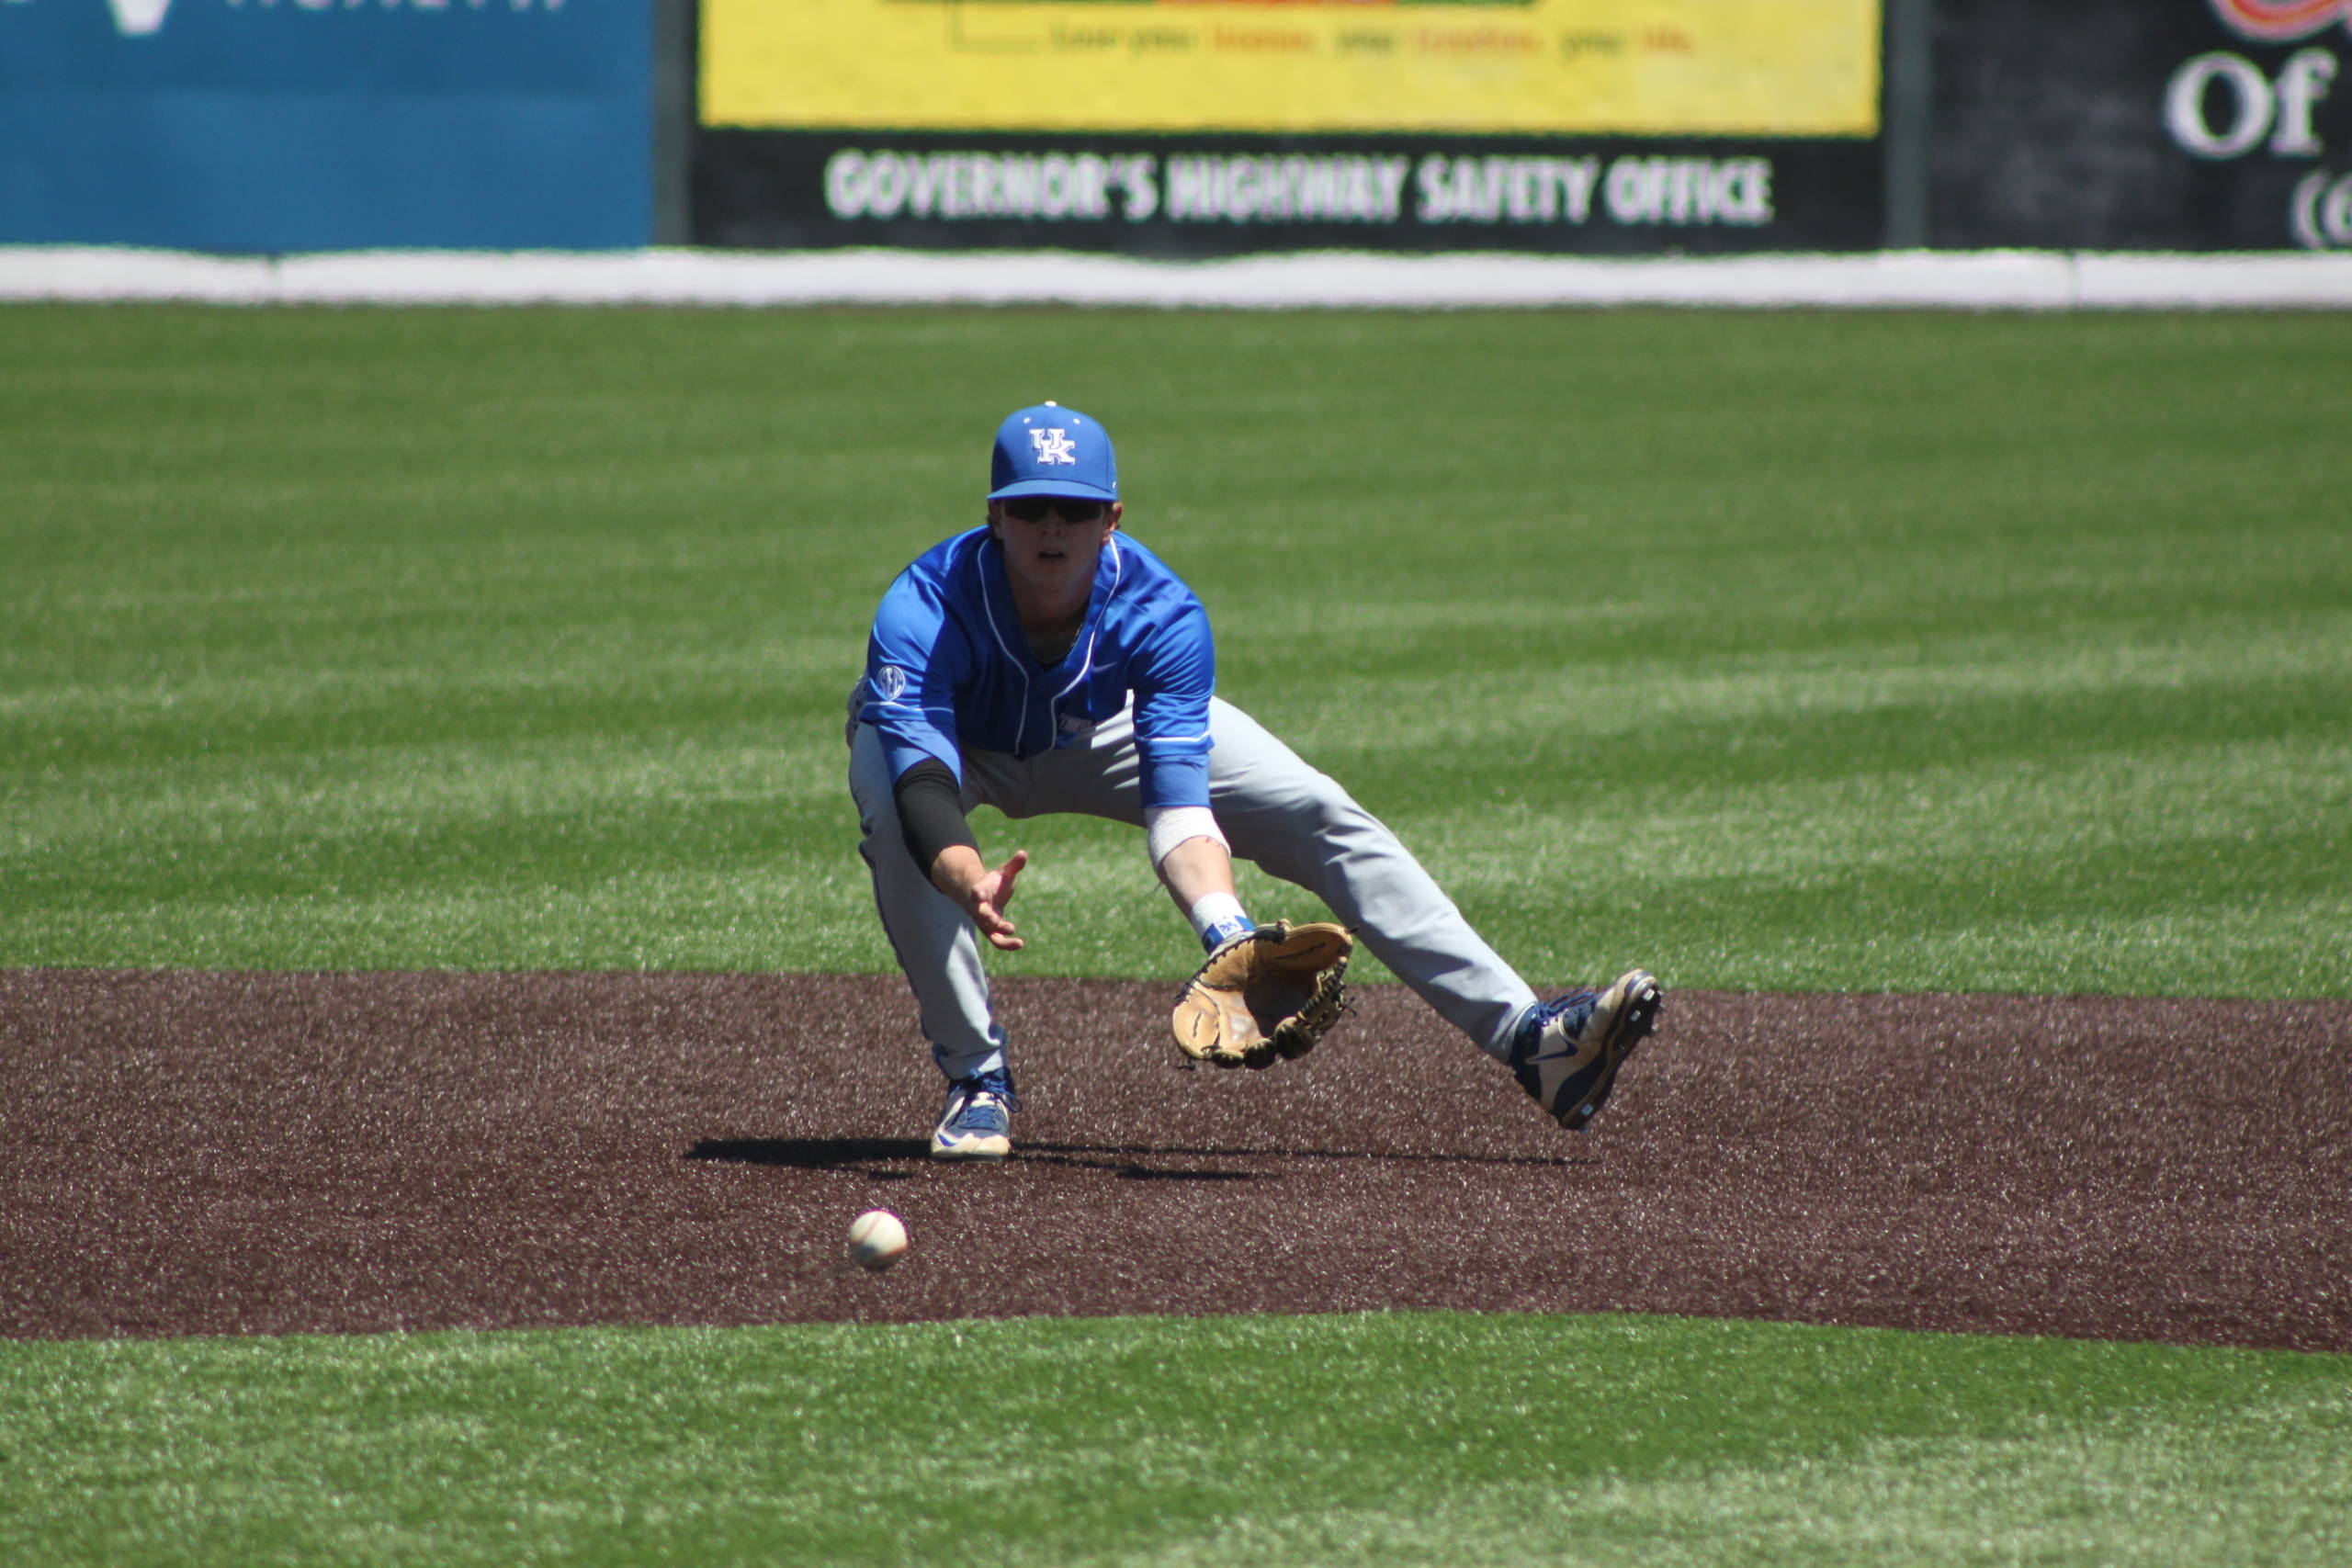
1869 652
1392 1438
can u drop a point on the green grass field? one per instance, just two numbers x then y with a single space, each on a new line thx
1389 1439
1935 652
1776 651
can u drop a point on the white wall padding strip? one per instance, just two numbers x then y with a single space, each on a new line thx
2022 280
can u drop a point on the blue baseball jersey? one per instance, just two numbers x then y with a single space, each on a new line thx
947 667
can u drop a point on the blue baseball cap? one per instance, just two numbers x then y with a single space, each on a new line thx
1051 450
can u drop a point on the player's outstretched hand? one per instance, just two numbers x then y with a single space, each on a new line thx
986 900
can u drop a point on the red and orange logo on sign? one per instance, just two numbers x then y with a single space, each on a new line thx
2278 21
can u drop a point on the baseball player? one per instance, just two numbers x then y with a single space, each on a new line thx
1047 661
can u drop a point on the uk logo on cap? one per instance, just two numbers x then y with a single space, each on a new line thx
1051 450
1055 446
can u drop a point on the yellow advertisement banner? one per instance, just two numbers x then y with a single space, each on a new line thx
1546 67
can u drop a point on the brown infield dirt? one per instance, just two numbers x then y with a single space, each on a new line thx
193 1153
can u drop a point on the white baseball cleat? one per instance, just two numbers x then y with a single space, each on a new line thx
978 1123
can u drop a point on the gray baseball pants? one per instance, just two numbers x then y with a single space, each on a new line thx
1276 811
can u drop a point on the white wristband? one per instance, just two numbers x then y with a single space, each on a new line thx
1218 917
1165 826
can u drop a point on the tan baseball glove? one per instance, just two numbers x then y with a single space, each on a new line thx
1268 993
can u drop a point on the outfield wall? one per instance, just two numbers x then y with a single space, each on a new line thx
1186 128
2204 125
1194 128
1994 280
1180 129
309 125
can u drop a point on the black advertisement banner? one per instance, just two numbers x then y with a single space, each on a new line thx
1211 194
2171 125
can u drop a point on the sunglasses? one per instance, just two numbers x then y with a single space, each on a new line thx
1033 508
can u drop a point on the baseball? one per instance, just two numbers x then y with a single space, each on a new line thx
876 1238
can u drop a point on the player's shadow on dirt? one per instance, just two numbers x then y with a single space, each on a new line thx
869 1157
1125 1164
876 1157
886 1158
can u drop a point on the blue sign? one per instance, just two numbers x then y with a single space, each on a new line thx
307 124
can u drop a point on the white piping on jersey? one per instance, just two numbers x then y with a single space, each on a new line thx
987 607
1085 665
1094 631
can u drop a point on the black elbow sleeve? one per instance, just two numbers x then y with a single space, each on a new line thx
931 812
